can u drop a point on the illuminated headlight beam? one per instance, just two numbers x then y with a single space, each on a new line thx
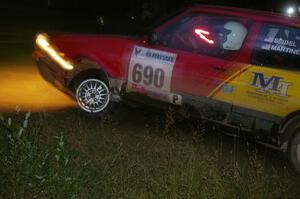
43 43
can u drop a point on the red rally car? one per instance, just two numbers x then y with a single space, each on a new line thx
238 68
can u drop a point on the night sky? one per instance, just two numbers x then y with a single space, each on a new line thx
137 12
86 8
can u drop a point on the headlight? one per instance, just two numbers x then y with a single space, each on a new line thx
43 42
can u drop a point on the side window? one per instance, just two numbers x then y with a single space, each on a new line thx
216 36
277 46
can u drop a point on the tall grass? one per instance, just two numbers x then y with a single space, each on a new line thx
156 167
30 169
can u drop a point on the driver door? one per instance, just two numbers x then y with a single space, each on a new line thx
189 64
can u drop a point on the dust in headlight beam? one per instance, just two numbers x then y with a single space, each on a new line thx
23 89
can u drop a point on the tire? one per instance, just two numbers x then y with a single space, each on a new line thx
93 96
294 150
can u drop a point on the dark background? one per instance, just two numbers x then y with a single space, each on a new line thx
119 16
88 8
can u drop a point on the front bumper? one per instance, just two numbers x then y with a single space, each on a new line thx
52 72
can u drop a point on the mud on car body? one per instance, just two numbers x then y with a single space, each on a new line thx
236 67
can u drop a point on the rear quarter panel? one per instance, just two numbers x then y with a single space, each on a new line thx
279 96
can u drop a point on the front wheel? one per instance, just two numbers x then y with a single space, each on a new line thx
93 96
294 151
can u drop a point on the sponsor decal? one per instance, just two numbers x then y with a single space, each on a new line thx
267 99
279 44
150 73
155 55
176 99
136 88
227 89
281 48
151 68
273 85
271 90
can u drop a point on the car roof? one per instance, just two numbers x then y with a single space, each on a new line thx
257 15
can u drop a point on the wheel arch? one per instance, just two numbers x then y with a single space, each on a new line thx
285 121
88 68
285 133
91 60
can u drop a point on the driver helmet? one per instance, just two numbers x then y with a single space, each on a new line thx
236 35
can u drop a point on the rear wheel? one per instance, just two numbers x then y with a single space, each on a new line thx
93 96
294 150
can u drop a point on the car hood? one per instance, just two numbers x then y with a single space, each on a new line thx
90 38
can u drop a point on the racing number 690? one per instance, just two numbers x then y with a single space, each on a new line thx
148 75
